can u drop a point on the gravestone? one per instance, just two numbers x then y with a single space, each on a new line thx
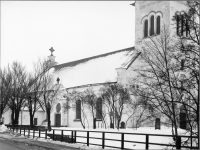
123 125
157 123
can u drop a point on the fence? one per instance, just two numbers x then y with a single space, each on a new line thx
72 137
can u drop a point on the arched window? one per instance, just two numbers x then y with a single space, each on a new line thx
182 24
177 25
145 28
78 109
158 25
99 109
58 108
152 25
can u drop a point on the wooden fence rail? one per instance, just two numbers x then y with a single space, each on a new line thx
73 137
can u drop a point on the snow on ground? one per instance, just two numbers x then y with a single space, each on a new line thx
112 135
3 128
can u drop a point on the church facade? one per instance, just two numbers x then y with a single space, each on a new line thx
113 67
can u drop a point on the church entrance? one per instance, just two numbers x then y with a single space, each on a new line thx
57 120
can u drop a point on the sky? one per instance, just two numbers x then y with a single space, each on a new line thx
75 29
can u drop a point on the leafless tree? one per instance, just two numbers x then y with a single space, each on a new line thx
188 30
49 90
34 88
15 88
115 97
77 101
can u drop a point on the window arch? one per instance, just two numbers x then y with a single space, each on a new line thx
99 108
152 25
145 28
158 25
78 109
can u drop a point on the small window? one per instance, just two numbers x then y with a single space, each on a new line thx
158 25
152 26
145 28
99 109
78 109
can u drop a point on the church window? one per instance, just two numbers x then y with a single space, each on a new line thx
99 109
78 109
182 25
158 25
152 25
145 28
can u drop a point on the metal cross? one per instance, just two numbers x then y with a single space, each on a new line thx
51 49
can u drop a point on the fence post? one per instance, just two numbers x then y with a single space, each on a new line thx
53 134
74 136
33 133
20 131
39 133
45 133
24 131
122 141
103 140
13 129
178 142
61 135
147 141
88 138
28 132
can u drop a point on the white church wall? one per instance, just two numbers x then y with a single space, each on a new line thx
7 117
24 117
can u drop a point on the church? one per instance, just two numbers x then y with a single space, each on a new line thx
113 67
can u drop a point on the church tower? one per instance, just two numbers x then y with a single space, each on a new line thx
151 16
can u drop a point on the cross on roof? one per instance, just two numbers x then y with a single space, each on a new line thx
52 50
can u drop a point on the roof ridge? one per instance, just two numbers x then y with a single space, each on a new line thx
73 63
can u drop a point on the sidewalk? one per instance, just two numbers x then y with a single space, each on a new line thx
33 142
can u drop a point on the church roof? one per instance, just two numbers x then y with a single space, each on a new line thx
96 69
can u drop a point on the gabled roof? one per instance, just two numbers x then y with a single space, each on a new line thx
96 69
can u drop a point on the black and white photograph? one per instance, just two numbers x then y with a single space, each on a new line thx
99 75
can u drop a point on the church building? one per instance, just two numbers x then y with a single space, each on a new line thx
113 67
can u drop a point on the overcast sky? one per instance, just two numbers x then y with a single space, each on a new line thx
75 30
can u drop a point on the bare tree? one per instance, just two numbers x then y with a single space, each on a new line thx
161 79
49 90
77 101
34 88
15 89
114 97
188 31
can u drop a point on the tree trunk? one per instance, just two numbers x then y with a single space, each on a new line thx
49 120
31 120
16 120
12 117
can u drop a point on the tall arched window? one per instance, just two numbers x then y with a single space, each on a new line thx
99 109
152 25
158 25
177 24
182 24
145 28
78 109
